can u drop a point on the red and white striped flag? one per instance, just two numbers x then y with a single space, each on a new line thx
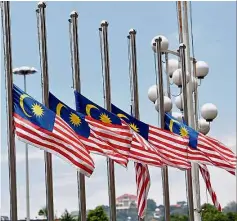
37 125
143 186
202 149
76 121
206 176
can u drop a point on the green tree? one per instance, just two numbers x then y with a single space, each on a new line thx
231 216
210 213
98 214
179 218
66 216
43 212
151 205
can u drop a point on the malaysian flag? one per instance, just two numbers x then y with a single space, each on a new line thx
37 125
203 149
143 185
155 142
105 124
87 136
207 178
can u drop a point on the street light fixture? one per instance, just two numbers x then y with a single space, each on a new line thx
153 93
173 65
202 69
179 102
203 126
209 112
178 116
177 77
167 104
24 71
164 45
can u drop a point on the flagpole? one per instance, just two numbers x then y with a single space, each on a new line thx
45 95
186 119
164 170
25 71
77 87
10 124
110 163
195 167
135 95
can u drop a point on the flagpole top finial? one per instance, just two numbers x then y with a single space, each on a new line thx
104 23
41 5
74 14
132 31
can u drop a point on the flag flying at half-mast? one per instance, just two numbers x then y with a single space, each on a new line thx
207 150
162 142
204 171
37 125
87 136
137 151
115 133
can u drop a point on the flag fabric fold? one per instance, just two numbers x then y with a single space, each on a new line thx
207 179
203 149
143 186
37 125
156 142
84 132
105 124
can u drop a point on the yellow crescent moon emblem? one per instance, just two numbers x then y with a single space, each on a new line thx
88 109
58 108
172 123
22 97
122 116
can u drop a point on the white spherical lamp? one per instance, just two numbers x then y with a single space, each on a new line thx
179 102
177 116
173 65
167 104
209 112
177 77
202 69
203 126
152 93
164 43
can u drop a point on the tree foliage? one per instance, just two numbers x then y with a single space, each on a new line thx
66 216
179 218
43 212
151 205
98 214
210 213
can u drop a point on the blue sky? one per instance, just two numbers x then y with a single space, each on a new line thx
214 40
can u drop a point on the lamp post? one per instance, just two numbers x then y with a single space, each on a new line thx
24 71
209 111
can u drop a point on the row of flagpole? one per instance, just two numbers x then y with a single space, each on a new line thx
76 84
73 23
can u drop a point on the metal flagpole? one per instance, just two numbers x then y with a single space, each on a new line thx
24 71
27 174
45 95
10 124
167 75
164 170
185 93
135 95
77 87
195 167
110 163
185 109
